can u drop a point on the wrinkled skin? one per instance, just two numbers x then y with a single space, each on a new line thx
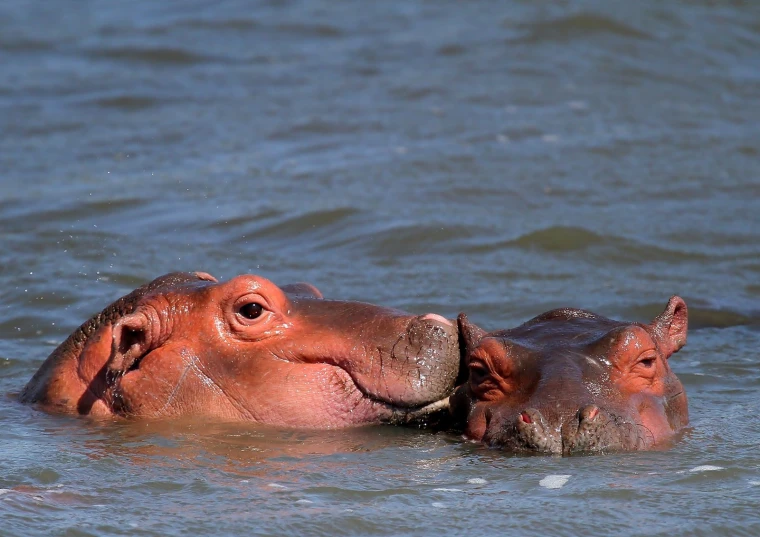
246 349
570 381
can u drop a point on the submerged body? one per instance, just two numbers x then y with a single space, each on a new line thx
246 349
570 381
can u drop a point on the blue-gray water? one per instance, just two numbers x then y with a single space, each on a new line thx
496 158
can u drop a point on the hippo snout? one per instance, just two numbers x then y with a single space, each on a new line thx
593 429
430 348
590 429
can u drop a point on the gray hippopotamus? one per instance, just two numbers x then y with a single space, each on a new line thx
246 349
571 381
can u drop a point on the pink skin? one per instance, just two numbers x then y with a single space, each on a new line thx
570 381
248 350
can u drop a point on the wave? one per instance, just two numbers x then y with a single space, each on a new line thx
127 102
699 316
155 55
578 26
572 240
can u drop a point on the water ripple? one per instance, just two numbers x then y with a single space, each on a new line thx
154 55
572 240
579 26
699 316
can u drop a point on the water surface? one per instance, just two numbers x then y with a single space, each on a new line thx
499 159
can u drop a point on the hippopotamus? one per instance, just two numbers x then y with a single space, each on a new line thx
571 381
186 344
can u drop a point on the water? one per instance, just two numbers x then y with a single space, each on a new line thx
500 159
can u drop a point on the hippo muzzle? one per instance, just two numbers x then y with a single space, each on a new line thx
588 430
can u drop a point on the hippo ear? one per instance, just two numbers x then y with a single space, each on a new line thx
131 341
671 325
469 334
302 289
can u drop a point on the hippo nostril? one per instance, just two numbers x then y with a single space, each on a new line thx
588 413
525 417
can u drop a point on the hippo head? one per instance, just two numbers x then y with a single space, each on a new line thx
246 349
570 381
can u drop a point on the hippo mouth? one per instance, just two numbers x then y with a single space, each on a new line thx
393 412
420 416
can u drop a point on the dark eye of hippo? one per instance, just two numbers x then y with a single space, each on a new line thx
251 311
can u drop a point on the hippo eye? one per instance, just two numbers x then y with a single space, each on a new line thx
478 372
647 360
251 311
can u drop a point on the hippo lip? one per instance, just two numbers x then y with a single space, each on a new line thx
418 414
398 413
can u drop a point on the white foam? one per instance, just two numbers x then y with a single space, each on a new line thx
304 501
554 481
5 491
276 486
477 481
438 505
447 490
578 105
706 468
754 483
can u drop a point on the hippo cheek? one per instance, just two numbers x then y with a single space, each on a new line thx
660 421
168 383
283 390
677 410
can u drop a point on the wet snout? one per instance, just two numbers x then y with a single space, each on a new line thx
593 429
428 360
590 429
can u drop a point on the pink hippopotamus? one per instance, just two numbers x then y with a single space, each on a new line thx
571 381
248 350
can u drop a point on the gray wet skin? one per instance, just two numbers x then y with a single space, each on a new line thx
570 381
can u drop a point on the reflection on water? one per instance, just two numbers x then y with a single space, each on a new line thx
501 160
